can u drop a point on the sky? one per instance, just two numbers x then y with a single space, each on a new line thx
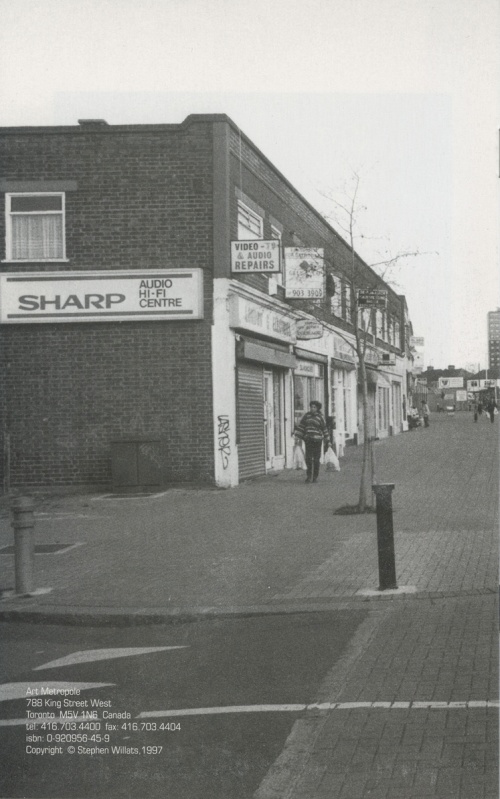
403 93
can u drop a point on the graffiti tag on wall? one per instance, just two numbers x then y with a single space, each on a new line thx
224 439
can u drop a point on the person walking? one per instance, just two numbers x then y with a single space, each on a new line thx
313 431
479 408
490 408
425 413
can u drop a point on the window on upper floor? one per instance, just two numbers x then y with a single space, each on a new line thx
278 276
250 224
365 320
397 338
35 229
336 299
347 302
379 322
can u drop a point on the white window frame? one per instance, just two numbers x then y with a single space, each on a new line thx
346 291
9 214
246 231
336 299
278 276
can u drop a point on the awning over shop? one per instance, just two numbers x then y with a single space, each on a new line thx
338 364
257 351
310 356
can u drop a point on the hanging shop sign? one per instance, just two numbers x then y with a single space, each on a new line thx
248 315
255 256
304 273
308 329
372 298
151 294
417 341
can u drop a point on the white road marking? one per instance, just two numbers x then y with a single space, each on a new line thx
208 711
19 690
91 655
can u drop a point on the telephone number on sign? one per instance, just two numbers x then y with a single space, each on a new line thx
305 293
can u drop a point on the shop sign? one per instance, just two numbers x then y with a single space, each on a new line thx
153 294
255 256
372 298
343 351
308 369
247 315
417 341
449 397
450 382
461 396
309 329
304 272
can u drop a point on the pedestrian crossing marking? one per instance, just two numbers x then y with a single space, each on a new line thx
19 690
92 655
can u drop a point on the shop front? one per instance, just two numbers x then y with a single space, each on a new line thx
343 393
309 384
258 364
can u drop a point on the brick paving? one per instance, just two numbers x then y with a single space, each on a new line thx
276 543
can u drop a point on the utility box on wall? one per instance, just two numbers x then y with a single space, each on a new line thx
136 464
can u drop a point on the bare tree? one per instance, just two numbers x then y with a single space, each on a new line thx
347 218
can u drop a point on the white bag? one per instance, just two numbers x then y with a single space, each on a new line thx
331 460
299 462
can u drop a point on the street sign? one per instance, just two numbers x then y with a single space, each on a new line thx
304 273
372 298
255 256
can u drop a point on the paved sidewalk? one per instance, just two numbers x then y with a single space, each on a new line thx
411 709
276 541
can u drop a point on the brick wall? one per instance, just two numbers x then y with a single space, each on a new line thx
256 177
143 200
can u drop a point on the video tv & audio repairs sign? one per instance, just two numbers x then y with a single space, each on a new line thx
151 294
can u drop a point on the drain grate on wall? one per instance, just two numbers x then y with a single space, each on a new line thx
42 549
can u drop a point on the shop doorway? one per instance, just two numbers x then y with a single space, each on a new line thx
274 419
383 412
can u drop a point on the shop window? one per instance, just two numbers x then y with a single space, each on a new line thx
250 224
307 389
35 227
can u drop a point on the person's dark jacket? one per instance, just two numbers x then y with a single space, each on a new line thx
312 427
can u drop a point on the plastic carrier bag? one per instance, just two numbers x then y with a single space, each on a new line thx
331 461
299 462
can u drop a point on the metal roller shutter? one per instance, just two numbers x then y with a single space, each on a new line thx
251 451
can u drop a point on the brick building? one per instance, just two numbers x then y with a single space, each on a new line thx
126 322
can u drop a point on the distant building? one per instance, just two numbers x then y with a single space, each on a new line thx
494 339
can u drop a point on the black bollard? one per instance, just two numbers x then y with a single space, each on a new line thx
24 545
385 536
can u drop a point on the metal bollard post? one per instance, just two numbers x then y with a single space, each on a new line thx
385 536
23 523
